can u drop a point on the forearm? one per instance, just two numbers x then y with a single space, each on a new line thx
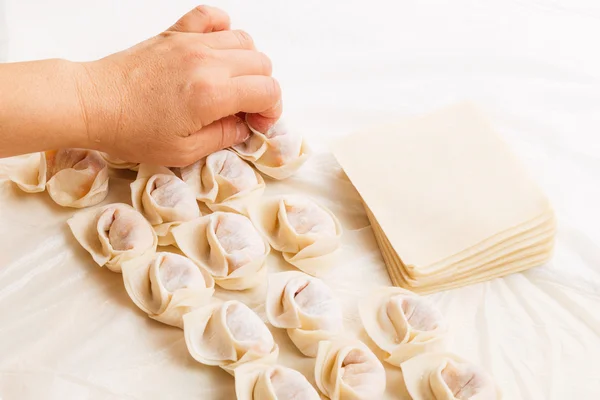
40 107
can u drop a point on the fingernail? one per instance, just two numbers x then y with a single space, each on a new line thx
242 131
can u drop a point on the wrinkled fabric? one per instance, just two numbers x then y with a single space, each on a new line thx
68 328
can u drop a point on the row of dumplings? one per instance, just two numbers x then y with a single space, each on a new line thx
224 180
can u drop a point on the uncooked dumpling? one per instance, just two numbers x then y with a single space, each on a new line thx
348 369
445 376
307 233
163 199
402 323
167 285
278 153
272 382
306 307
228 335
117 163
113 234
228 246
74 177
224 182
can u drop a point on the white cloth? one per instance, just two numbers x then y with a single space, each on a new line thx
68 329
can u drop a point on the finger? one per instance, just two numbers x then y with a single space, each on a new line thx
203 19
245 62
219 135
228 40
264 121
254 94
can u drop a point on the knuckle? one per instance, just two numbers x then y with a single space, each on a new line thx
203 11
272 89
244 39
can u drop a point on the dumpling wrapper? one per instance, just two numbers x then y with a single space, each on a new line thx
306 307
446 376
28 171
272 382
228 335
113 234
402 324
306 233
224 182
278 153
117 163
167 285
228 245
163 199
456 185
348 369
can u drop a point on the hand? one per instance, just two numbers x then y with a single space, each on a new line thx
179 96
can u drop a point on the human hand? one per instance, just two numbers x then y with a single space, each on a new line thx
179 96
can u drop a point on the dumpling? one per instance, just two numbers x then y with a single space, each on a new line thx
307 233
167 285
228 246
224 182
348 369
445 376
278 153
73 177
163 199
117 163
228 335
28 171
306 307
272 382
402 324
113 234
76 178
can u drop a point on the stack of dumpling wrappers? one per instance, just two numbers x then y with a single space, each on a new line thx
449 202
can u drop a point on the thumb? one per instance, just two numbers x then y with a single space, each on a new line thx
219 135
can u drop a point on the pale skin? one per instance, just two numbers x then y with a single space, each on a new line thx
169 100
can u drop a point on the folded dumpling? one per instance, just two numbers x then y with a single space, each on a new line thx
228 246
163 199
402 323
117 163
348 369
113 234
445 376
167 285
306 307
228 335
307 233
73 177
28 171
76 178
224 182
272 382
278 153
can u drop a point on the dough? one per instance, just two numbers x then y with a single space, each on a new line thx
113 234
167 285
402 324
28 171
445 376
228 245
278 153
267 382
163 199
455 189
347 369
306 307
228 335
117 163
307 233
224 182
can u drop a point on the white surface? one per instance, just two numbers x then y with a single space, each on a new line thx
67 328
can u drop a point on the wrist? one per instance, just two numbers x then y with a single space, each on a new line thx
98 93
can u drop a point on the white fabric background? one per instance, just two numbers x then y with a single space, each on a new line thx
67 328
